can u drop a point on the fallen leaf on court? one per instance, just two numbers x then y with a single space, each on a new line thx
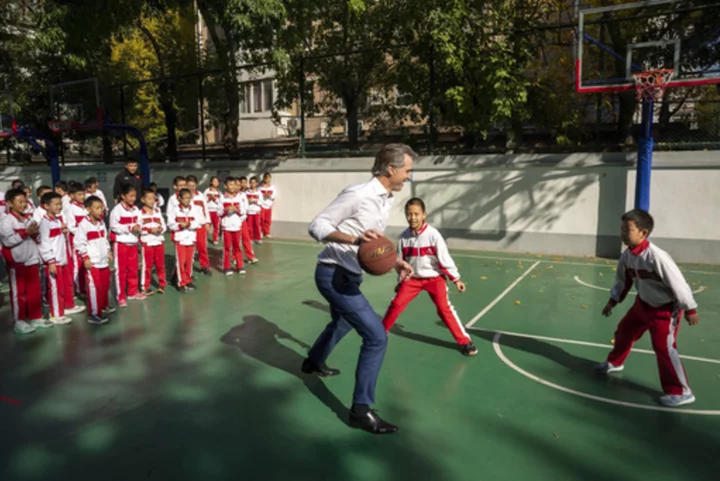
614 268
612 341
541 290
517 303
583 306
572 297
539 255
549 267
484 278
556 435
601 274
533 276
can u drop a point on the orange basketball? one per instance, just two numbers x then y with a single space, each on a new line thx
378 256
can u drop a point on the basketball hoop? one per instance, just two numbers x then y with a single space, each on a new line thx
651 84
60 126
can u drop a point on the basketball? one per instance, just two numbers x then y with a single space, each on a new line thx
377 256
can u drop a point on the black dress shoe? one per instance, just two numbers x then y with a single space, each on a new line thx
309 367
371 423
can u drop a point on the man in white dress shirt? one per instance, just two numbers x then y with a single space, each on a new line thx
358 214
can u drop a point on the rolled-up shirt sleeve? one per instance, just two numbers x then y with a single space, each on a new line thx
327 222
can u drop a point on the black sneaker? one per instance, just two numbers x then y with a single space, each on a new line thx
469 349
182 289
109 310
191 286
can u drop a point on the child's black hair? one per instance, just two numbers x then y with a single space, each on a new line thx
229 179
49 196
62 184
191 178
152 184
240 179
213 178
42 188
415 201
642 220
90 181
253 178
177 179
89 201
19 183
75 187
12 193
125 189
182 192
146 192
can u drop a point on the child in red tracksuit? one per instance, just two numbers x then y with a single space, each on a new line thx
425 250
183 222
254 209
73 214
233 207
92 244
54 254
204 221
212 200
125 234
19 234
663 295
152 243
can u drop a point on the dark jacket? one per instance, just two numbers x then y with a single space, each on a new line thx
126 177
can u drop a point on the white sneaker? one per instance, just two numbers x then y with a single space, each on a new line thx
41 323
75 310
61 320
254 260
138 297
674 400
22 327
606 368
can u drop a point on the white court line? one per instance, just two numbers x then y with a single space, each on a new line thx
587 284
508 362
498 258
585 343
502 294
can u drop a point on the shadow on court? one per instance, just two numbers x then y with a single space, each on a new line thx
259 338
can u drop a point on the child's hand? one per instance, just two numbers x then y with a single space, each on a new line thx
33 228
460 286
183 225
52 270
156 230
692 319
110 259
607 310
88 264
64 229
136 229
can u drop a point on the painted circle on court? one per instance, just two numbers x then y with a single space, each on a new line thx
515 367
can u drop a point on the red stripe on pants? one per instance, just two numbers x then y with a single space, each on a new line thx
663 323
153 256
253 221
266 218
215 221
184 263
231 248
201 241
71 260
60 290
126 270
80 274
436 287
97 284
25 298
247 241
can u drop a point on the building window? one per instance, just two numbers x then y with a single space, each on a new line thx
268 94
257 97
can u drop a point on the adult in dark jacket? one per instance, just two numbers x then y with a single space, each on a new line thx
128 176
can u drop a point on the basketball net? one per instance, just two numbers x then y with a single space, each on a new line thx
62 126
651 84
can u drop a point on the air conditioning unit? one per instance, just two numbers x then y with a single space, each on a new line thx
324 130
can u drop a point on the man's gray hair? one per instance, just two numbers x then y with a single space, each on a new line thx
391 155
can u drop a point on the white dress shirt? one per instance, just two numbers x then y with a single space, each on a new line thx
358 208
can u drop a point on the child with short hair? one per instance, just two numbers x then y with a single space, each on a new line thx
253 215
152 243
268 193
30 208
424 248
92 187
73 214
233 210
20 236
54 254
93 247
179 183
663 295
240 186
212 199
125 227
61 188
159 201
204 220
184 221
40 210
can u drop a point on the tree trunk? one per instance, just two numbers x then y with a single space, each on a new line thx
628 104
351 104
166 98
107 148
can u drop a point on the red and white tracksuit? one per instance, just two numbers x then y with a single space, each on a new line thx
22 257
426 251
54 251
253 214
662 296
123 218
267 199
234 227
93 242
184 239
99 194
201 232
75 214
212 200
152 247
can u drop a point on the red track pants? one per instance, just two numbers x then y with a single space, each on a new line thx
60 293
663 323
231 249
152 256
253 221
25 297
184 263
215 221
201 242
97 284
126 270
247 241
437 288
79 274
266 219
72 261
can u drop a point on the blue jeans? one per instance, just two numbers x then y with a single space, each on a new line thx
349 309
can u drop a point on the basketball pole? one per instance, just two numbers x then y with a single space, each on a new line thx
644 158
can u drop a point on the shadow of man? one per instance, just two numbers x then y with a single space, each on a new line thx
259 338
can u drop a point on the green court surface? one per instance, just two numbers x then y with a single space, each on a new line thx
207 385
